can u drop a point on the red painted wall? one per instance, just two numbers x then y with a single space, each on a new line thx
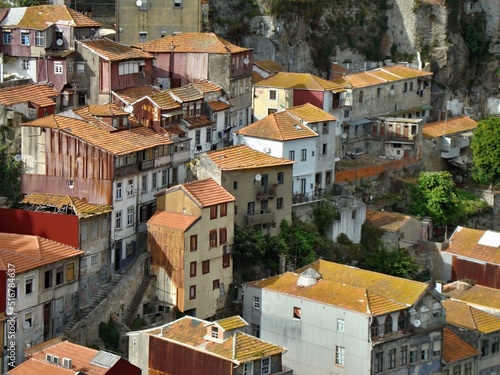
3 290
123 367
305 96
56 227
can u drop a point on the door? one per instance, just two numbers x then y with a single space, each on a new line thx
302 185
47 321
118 254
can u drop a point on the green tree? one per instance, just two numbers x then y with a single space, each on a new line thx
323 214
486 151
435 195
29 3
10 175
395 263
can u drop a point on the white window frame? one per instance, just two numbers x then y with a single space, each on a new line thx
130 216
265 365
256 302
119 191
32 279
80 68
339 355
7 37
58 68
39 38
144 184
25 38
143 36
340 325
118 220
28 316
177 4
248 368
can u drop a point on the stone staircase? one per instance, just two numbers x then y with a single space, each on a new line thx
129 314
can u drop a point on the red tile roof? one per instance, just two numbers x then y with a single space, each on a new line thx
302 81
41 17
310 113
455 349
113 51
173 220
80 207
472 243
164 100
243 157
218 105
205 192
460 314
479 296
449 126
191 42
30 252
131 94
39 94
206 86
187 93
391 221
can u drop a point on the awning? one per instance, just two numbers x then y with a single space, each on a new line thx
172 114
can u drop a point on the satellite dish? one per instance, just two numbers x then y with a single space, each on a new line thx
246 61
344 135
391 92
138 3
26 324
18 157
129 109
59 42
417 323
258 177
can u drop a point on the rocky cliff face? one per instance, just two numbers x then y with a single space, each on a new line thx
459 41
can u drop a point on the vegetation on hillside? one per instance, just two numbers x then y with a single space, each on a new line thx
10 175
486 151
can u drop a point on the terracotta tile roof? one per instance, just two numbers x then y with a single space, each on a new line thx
238 348
218 105
243 157
131 94
39 94
191 42
352 288
310 113
256 78
39 366
105 110
206 86
337 68
455 349
279 126
205 192
41 17
117 142
233 322
269 66
114 51
449 126
173 220
30 252
380 75
186 93
479 296
197 122
391 221
164 100
175 130
80 207
460 314
302 81
468 242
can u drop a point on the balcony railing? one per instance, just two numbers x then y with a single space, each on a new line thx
311 196
147 164
259 219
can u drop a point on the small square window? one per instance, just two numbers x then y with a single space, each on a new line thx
25 38
143 36
272 94
205 267
256 303
28 286
177 3
192 292
340 325
80 68
215 284
215 332
235 185
59 275
297 312
28 321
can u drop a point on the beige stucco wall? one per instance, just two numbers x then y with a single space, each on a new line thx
33 150
261 101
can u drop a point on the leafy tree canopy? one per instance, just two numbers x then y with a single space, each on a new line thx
486 149
29 3
10 175
395 263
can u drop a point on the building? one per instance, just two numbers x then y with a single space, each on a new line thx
45 291
459 357
124 97
190 346
190 239
447 141
264 69
191 57
474 255
111 66
145 20
338 319
480 297
260 183
68 358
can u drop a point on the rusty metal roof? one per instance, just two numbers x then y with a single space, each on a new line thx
114 51
460 314
118 141
310 113
243 157
467 242
269 66
302 81
279 126
449 126
81 207
42 95
391 221
173 220
30 252
191 42
205 192
131 94
455 349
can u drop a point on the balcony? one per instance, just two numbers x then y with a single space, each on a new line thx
147 164
266 192
259 219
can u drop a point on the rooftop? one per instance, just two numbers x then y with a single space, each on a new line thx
390 221
299 81
114 51
187 93
173 220
206 86
62 203
310 113
449 126
478 296
455 349
39 94
269 66
460 314
475 244
164 100
131 94
205 192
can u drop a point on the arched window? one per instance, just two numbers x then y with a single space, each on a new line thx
402 321
374 327
388 325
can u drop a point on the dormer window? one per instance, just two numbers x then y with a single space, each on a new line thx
59 40
215 332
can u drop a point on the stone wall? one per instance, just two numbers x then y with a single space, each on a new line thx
427 255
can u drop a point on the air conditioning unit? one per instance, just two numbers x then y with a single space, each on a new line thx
267 150
67 363
56 360
226 249
10 115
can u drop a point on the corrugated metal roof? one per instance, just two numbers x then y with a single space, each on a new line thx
279 126
385 220
191 42
207 192
39 94
460 314
173 220
30 252
131 94
269 66
310 113
450 126
243 157
114 51
105 359
13 17
455 349
465 242
303 81
80 207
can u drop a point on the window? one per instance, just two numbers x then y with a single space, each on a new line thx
360 97
411 86
402 321
223 209
94 230
83 233
256 303
248 368
7 37
129 248
272 94
48 279
118 191
215 284
209 135
468 369
251 208
485 345
197 138
28 287
303 154
144 5
70 68
213 212
405 87
424 352
143 36
297 312
164 174
80 68
281 178
144 183
226 260
118 220
495 344
130 67
279 203
235 185
340 325
392 358
193 242
70 271
154 180
457 370
255 330
265 366
378 92
339 355
177 3
213 238
436 348
192 269
325 149
25 38
379 362
413 354
130 216
403 355
291 155
93 262
28 321
39 38
388 325
374 327
436 310
222 236
215 332
347 113
58 68
205 266
59 275
192 292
